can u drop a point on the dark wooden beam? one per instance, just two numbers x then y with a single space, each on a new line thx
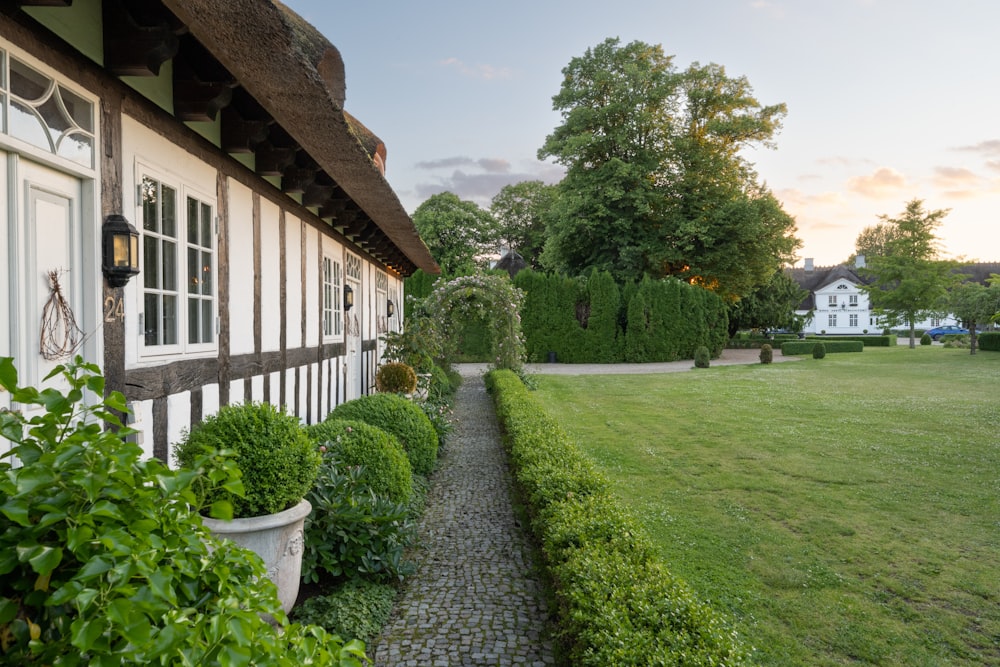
240 135
139 36
202 86
273 160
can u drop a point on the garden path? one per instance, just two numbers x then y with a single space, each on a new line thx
475 598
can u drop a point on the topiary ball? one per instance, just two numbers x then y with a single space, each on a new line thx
277 460
766 354
400 417
387 470
819 351
926 339
702 357
396 377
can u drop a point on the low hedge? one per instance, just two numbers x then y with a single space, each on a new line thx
794 347
616 603
890 340
400 417
989 340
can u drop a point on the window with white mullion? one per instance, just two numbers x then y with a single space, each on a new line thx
201 272
332 290
160 242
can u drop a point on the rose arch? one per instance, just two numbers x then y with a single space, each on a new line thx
489 298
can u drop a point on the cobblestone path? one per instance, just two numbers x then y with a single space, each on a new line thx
474 599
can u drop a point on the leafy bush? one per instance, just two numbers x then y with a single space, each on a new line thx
616 603
352 532
386 468
702 358
925 339
766 354
395 377
358 609
819 351
276 459
439 413
400 417
830 346
989 341
104 560
888 340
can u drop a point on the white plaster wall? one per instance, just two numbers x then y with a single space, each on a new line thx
240 268
310 289
209 400
290 385
257 388
236 392
178 420
142 414
270 283
293 291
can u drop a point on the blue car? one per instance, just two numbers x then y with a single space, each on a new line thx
937 332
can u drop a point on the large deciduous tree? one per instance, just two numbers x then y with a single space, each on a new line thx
975 304
770 306
655 181
910 281
518 210
456 232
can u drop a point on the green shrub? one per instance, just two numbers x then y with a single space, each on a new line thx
104 559
702 358
439 413
615 602
766 354
386 468
356 610
352 532
276 459
442 384
395 377
989 341
831 346
888 340
400 417
819 350
925 339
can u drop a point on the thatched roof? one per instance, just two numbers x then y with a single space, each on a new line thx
297 75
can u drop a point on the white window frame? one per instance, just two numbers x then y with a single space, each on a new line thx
333 299
184 191
831 300
852 319
852 299
831 320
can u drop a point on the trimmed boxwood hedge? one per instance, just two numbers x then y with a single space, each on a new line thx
989 340
400 417
386 467
616 603
890 340
794 347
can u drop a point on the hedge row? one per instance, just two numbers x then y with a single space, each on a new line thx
616 602
989 340
795 347
890 340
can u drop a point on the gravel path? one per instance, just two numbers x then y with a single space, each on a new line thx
475 599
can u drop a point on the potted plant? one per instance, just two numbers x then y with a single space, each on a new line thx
278 463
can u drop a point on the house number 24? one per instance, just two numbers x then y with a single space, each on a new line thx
114 309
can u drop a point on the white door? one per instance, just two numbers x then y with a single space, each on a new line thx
352 328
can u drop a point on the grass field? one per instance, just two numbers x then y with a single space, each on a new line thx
842 511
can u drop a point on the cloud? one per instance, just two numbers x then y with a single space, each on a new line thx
955 177
770 8
491 165
480 71
990 147
480 186
883 182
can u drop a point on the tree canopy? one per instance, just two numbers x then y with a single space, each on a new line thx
975 304
456 232
655 182
770 306
910 281
518 210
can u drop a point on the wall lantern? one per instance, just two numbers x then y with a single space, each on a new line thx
390 308
348 297
121 250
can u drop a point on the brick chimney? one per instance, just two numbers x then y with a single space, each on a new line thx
809 264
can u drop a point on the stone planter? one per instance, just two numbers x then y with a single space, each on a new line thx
278 539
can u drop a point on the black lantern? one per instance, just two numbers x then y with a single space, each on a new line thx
390 308
348 297
121 250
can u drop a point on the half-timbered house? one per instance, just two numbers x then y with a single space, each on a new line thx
206 142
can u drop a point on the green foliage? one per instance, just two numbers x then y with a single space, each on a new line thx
655 183
386 469
401 418
766 354
603 332
518 210
352 532
456 232
488 298
771 305
975 304
358 609
275 457
887 340
548 316
808 346
702 358
925 339
418 345
439 413
395 377
616 603
818 351
104 560
989 341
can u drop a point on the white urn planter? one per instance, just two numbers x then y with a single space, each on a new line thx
278 539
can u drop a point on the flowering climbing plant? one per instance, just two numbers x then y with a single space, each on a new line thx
485 297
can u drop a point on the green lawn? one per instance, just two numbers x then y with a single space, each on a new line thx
842 511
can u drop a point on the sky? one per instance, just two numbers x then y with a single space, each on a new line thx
888 100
